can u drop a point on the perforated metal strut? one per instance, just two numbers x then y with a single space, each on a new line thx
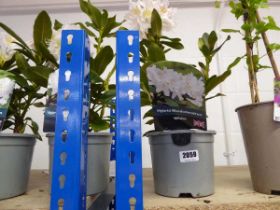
129 193
70 147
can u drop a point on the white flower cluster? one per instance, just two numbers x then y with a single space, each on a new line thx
176 85
7 47
6 89
140 12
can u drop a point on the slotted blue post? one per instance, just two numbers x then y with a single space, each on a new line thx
70 148
112 130
129 193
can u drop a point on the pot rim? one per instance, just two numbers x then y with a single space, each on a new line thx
17 135
51 134
251 105
167 132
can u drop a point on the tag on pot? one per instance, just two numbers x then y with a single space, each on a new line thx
6 90
50 110
276 115
189 156
177 91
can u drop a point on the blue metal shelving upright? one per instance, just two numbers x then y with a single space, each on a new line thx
70 149
68 190
129 194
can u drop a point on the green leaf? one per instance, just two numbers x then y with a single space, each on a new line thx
102 60
231 31
144 83
256 61
46 54
203 48
95 78
220 47
149 113
108 96
37 74
97 123
236 9
93 13
156 23
21 61
156 53
262 67
171 39
202 65
7 124
39 104
212 40
274 46
150 122
83 26
12 33
234 63
217 95
34 127
26 51
21 81
215 80
272 24
174 45
145 99
109 26
6 74
57 25
42 31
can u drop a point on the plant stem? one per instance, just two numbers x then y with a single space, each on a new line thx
249 52
268 50
252 75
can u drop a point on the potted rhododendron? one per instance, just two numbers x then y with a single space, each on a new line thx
182 155
102 92
176 92
20 85
259 122
35 67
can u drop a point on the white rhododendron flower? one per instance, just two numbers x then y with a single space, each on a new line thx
176 85
53 82
7 47
55 42
140 13
6 89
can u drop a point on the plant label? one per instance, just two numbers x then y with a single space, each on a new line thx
6 89
177 91
189 156
276 115
50 110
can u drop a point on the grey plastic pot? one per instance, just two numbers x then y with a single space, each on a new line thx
183 162
16 151
261 137
99 145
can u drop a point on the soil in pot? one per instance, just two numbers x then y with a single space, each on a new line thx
183 162
99 145
16 151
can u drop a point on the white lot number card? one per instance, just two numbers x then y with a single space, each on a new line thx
189 156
